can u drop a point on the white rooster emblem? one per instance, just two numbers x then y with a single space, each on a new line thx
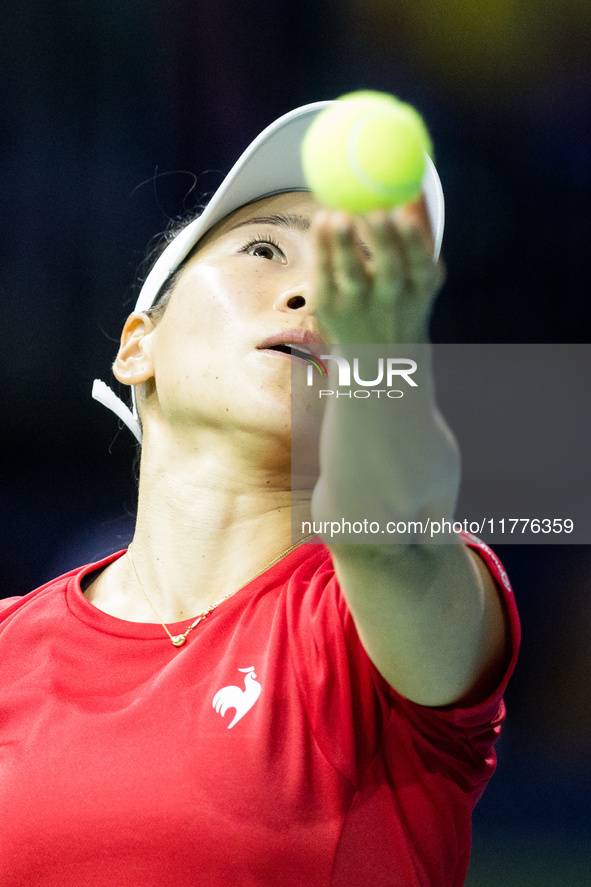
234 697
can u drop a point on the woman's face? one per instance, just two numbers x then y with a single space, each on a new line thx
250 279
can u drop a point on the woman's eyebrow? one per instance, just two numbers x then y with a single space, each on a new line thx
298 223
285 220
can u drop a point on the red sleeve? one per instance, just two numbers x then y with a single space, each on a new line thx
7 602
351 707
464 736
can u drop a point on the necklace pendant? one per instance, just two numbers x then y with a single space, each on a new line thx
178 640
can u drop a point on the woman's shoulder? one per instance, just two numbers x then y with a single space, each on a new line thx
56 584
7 602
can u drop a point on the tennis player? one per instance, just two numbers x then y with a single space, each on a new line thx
224 703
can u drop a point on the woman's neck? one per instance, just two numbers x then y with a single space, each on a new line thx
206 526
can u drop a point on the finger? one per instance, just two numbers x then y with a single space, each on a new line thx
423 274
406 278
322 233
351 273
406 260
389 256
416 214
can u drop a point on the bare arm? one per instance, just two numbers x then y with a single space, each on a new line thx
428 615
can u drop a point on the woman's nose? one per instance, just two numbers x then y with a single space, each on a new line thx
296 298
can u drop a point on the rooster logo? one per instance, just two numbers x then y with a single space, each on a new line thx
241 700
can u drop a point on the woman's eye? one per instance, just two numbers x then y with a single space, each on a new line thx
264 249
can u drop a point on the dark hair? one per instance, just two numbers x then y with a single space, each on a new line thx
164 293
174 228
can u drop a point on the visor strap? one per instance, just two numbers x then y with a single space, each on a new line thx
108 398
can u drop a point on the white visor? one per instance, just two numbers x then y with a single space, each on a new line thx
270 165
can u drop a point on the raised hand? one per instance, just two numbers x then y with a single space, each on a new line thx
376 279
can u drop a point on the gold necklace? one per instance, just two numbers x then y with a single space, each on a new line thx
179 639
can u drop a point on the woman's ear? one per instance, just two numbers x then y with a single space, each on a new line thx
133 363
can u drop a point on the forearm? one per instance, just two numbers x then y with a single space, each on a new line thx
388 459
428 615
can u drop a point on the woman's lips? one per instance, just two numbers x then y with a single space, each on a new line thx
293 353
295 345
291 337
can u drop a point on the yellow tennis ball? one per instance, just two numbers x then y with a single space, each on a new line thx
366 152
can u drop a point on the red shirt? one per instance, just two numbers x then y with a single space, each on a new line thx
266 751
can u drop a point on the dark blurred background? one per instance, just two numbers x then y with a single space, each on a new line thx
116 115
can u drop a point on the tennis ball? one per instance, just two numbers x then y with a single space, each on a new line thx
366 152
